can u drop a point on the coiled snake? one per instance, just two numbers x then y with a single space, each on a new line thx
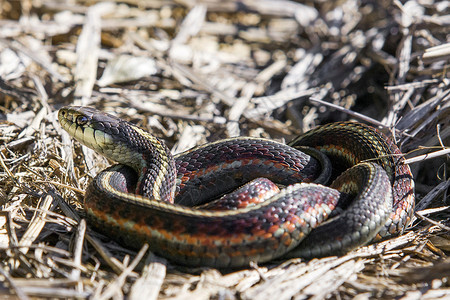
149 196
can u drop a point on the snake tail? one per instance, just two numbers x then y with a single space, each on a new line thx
349 143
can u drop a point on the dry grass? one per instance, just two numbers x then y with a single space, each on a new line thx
196 71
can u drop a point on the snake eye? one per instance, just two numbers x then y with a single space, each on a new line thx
82 120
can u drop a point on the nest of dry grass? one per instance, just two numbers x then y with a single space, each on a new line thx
196 71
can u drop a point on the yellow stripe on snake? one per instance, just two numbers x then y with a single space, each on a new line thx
163 200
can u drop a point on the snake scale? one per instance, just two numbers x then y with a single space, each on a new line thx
163 200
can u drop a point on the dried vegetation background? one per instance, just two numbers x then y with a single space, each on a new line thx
196 71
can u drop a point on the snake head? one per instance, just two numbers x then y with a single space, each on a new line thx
114 138
90 127
104 133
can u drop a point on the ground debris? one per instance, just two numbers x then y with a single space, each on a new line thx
206 70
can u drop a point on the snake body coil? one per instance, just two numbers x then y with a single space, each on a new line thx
133 201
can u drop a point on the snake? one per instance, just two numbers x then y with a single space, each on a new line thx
333 189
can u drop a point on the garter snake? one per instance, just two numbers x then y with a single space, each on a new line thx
148 196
